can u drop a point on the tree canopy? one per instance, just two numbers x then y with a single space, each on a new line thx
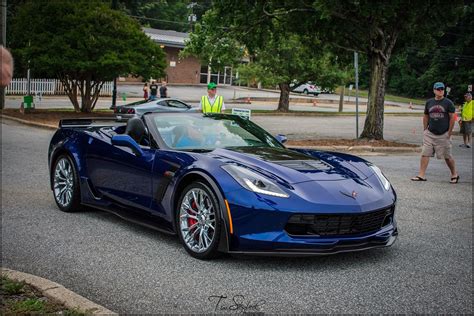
375 28
83 43
277 55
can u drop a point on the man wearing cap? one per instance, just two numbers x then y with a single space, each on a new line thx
466 117
438 123
212 103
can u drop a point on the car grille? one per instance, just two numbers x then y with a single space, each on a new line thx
338 224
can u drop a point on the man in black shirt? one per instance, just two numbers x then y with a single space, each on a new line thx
153 90
438 123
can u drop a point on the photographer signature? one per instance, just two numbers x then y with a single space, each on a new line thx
235 303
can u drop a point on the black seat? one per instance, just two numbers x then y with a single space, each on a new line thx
135 129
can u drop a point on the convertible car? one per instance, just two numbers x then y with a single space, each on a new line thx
159 105
222 184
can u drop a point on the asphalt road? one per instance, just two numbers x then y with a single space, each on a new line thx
130 269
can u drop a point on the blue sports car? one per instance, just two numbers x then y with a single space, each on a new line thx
222 184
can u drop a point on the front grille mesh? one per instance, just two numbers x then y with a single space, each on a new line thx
338 224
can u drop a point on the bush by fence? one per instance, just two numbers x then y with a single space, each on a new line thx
19 86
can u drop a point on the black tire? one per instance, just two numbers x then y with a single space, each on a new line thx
70 198
183 222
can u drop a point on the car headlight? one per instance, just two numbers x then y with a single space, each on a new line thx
383 180
253 181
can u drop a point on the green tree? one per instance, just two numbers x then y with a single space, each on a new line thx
278 56
370 27
449 59
83 44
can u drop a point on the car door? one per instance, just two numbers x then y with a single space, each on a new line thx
118 174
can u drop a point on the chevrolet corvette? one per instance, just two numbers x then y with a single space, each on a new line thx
222 184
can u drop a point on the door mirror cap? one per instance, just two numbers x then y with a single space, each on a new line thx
127 141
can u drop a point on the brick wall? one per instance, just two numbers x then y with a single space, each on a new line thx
186 70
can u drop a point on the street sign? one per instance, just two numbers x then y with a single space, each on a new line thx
243 113
448 90
350 87
469 88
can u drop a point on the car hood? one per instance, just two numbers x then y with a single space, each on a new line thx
292 166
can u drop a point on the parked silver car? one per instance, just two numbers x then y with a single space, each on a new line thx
306 88
158 105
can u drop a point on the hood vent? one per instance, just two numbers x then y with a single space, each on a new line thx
305 165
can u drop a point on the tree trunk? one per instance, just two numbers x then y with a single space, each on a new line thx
341 98
70 86
284 102
373 127
86 96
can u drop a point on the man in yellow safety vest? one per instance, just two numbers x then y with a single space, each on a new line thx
466 117
212 103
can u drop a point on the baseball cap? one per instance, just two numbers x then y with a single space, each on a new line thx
211 85
438 85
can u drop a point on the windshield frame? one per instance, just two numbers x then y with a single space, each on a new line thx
256 130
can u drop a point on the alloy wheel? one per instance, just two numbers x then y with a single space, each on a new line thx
197 220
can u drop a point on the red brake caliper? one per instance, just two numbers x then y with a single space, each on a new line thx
192 221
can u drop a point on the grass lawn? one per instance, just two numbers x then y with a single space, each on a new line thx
18 298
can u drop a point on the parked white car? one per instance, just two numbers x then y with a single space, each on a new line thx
306 88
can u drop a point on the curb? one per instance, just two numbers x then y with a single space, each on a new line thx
48 126
58 293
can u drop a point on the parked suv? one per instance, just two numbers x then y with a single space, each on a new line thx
306 88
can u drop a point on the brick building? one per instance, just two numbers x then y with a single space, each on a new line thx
185 70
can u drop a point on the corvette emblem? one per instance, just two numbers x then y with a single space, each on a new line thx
351 195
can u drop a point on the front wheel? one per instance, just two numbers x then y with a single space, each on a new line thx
66 184
198 221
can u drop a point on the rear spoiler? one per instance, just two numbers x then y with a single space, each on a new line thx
93 121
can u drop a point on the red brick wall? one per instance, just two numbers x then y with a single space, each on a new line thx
187 70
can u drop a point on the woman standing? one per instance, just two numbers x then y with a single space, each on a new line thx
145 91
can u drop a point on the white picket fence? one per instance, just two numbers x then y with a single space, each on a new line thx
47 87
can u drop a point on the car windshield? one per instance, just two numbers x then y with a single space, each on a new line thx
211 131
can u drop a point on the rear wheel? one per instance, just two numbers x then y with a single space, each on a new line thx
198 221
305 91
66 184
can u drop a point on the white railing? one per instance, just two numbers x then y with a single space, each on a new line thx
47 87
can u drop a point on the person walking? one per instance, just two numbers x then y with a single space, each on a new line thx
212 103
163 90
438 123
145 91
466 119
153 90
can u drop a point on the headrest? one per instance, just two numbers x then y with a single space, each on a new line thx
135 129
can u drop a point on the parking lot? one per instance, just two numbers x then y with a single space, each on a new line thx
131 269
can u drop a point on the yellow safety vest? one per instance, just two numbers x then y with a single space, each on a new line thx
207 107
466 112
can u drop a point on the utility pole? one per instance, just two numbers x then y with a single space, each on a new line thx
356 66
114 89
4 43
191 16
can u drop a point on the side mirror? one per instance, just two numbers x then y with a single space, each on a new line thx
127 141
281 138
